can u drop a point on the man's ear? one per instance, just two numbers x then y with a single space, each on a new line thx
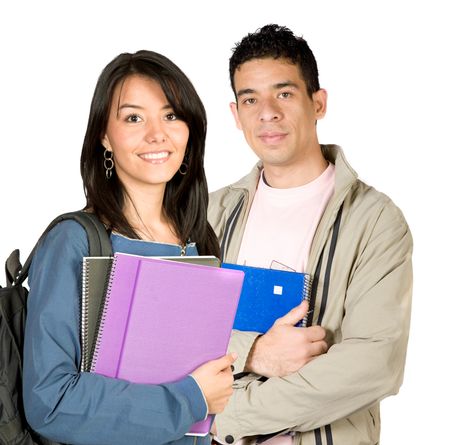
234 110
320 103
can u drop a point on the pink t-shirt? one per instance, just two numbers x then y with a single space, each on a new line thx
280 230
282 222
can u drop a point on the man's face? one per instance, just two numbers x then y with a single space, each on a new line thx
274 111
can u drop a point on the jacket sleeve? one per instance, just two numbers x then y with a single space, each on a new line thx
363 367
75 407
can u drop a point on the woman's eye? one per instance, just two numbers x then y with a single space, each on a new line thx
133 118
171 117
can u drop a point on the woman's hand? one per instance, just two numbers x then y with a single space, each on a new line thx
215 378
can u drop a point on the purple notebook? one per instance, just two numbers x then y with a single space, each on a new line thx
162 319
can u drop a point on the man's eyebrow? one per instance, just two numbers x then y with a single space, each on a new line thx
277 86
245 91
288 83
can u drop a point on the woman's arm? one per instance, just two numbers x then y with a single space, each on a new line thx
80 408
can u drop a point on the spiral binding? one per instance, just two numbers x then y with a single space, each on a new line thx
103 311
84 313
307 283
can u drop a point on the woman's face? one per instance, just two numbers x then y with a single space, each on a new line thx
147 138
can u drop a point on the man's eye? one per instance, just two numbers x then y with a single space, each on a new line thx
133 118
250 101
285 94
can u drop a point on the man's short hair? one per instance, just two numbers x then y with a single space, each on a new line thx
274 41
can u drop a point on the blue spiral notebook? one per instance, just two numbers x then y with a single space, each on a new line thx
266 295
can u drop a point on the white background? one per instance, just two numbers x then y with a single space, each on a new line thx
384 64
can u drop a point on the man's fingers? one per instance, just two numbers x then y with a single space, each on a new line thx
314 333
294 315
318 348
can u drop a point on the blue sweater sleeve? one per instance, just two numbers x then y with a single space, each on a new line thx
75 407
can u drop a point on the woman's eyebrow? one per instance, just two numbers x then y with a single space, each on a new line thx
139 107
130 106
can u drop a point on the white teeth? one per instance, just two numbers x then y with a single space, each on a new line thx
159 155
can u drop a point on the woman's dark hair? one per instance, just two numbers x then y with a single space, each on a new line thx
277 42
186 197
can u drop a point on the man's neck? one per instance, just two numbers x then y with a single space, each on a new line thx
295 175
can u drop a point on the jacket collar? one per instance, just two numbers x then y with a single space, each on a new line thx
245 189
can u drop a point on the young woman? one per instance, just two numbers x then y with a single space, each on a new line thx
142 168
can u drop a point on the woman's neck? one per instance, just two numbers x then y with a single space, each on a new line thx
145 213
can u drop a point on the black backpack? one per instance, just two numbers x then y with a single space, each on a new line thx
14 429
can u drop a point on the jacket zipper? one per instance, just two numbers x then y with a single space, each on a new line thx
331 252
230 226
323 304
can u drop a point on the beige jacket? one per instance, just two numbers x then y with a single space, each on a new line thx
362 299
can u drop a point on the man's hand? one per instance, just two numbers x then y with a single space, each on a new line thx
285 348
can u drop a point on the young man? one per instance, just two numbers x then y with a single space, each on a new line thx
302 206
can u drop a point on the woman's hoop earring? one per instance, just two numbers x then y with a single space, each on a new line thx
183 168
108 163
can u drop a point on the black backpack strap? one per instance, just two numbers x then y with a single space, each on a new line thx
98 237
98 241
12 267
